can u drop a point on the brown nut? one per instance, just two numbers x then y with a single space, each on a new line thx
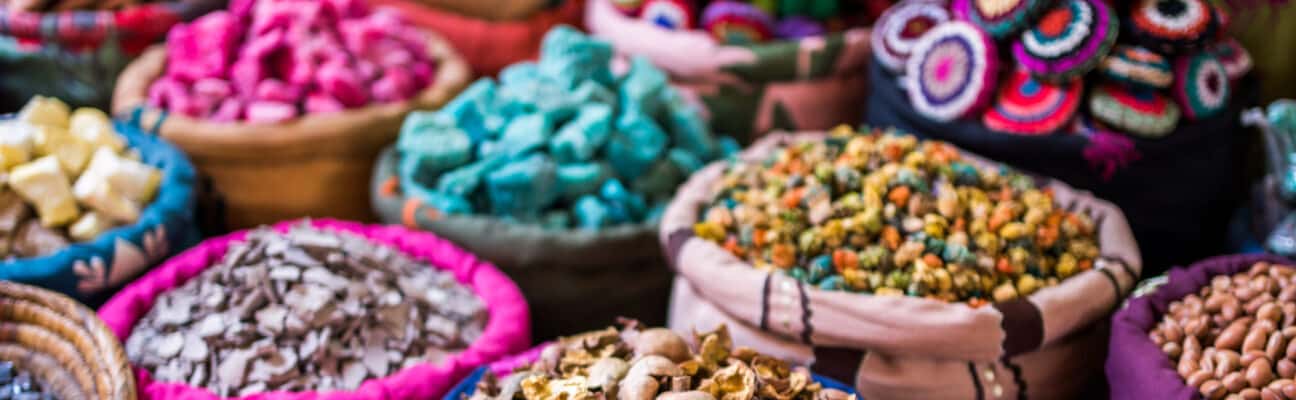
662 342
1172 349
1231 338
1191 345
1259 373
1216 302
1286 368
1196 326
1225 362
1251 356
1291 350
1278 384
1253 306
1250 394
1213 390
1255 340
1270 311
1276 346
1235 382
1270 394
1289 390
1187 367
1287 294
1199 377
1172 331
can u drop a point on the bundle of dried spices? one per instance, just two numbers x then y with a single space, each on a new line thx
645 364
887 214
307 310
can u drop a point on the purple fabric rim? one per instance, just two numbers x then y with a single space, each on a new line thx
1136 368
1094 44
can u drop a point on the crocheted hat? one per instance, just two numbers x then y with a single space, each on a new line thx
900 26
952 71
1171 26
1139 112
1234 57
1000 18
1201 85
734 22
1138 66
1068 40
676 15
1028 106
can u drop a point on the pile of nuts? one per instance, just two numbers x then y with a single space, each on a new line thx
886 214
20 386
307 310
1234 339
645 364
74 170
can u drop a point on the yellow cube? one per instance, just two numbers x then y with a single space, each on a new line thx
101 196
94 127
71 151
15 143
89 226
48 111
44 185
134 179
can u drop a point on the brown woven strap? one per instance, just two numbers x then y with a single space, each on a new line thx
37 339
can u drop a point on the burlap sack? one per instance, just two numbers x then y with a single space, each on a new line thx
1044 346
807 84
575 280
316 165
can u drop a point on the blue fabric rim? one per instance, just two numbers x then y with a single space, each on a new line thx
172 206
468 384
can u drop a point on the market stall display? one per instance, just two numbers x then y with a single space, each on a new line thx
864 252
74 49
287 123
1134 101
367 312
810 76
489 45
558 173
636 362
1217 328
53 347
85 206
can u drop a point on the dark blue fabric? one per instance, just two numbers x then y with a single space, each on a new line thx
465 387
1178 195
172 207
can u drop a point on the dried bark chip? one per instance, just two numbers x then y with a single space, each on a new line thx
13 211
170 345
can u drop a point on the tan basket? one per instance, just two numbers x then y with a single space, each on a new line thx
63 344
313 166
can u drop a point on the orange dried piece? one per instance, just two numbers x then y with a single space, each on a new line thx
845 259
1001 215
932 260
960 225
893 152
792 198
758 238
1003 266
1046 236
891 237
899 195
731 244
783 255
976 302
1085 265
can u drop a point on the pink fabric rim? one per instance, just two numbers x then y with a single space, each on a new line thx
507 332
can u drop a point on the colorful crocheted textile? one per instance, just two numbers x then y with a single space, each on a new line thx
1171 26
1201 85
1068 41
1139 112
1234 57
733 22
900 26
1000 18
1028 106
798 27
1138 66
675 15
952 72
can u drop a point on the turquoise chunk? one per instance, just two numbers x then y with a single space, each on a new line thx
582 138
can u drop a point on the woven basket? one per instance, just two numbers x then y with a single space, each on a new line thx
63 344
313 166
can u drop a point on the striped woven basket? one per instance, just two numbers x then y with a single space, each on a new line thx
63 344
